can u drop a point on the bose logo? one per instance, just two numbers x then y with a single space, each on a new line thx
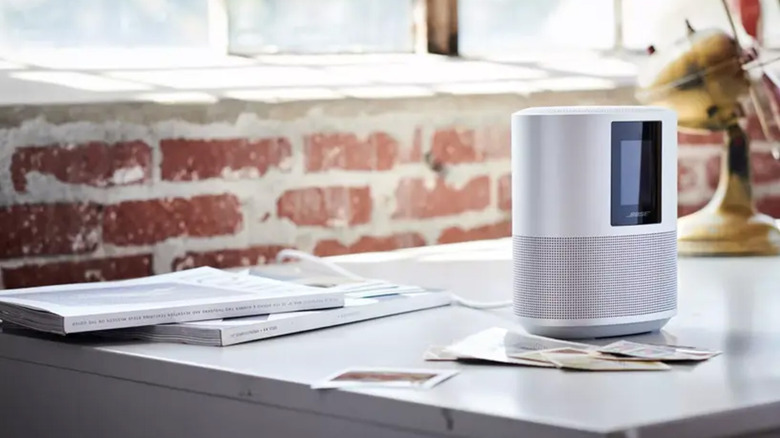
639 213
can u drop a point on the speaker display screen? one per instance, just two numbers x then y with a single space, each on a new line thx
630 169
636 173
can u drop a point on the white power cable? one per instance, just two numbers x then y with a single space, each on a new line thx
481 304
294 253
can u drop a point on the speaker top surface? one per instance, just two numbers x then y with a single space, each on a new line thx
593 110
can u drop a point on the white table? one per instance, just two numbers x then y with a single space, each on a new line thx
51 388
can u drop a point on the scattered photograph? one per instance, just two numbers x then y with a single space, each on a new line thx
386 377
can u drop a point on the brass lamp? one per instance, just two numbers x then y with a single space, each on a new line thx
705 78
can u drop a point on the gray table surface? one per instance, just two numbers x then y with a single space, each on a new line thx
55 388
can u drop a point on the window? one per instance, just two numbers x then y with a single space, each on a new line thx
511 28
480 28
515 28
771 24
103 23
322 26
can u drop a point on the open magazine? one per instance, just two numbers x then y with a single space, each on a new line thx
191 295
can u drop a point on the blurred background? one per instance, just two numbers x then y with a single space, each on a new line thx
144 136
485 27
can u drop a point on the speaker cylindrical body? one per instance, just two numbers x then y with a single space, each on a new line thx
594 214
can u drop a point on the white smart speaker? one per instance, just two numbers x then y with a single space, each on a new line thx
594 214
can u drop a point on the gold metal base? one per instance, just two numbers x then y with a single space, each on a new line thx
711 232
730 224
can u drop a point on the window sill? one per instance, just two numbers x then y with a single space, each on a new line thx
182 81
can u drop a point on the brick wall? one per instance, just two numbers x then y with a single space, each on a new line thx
103 199
94 200
699 170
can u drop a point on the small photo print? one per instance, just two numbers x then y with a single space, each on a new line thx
386 377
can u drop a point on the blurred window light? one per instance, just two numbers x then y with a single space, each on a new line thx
771 23
505 27
513 29
81 81
497 29
103 23
661 23
320 26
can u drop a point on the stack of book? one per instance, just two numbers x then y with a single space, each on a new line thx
208 306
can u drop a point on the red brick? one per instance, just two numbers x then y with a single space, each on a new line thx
192 160
495 141
458 145
369 244
116 268
379 151
693 138
505 192
326 206
684 210
415 200
686 175
749 13
764 167
151 221
712 169
453 146
97 164
228 258
754 131
49 229
414 154
769 205
493 231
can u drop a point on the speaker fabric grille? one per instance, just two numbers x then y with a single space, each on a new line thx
594 277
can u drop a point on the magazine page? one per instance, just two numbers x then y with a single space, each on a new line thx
195 287
368 286
207 276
